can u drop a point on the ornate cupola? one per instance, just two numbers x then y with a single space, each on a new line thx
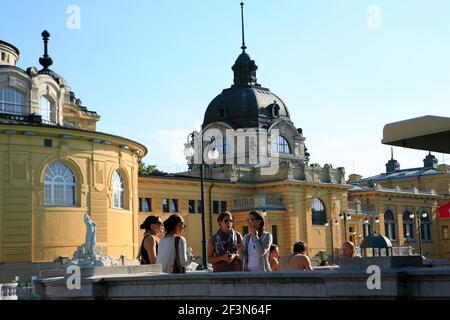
9 54
246 104
244 68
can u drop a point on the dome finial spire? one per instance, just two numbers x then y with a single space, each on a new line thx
242 27
45 60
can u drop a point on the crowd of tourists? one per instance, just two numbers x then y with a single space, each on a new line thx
227 249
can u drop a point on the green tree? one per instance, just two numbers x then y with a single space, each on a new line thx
149 170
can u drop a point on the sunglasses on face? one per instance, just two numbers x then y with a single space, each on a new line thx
227 221
251 220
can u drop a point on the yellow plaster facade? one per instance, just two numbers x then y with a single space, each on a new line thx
35 232
288 206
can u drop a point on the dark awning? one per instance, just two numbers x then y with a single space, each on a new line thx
428 133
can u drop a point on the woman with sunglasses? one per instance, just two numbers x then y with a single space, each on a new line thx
148 251
256 247
172 253
224 246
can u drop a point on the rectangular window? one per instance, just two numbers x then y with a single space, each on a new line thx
445 233
48 142
244 230
223 206
274 234
147 204
216 209
191 206
199 207
174 205
165 204
140 204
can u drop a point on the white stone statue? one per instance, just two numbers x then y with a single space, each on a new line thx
91 228
89 254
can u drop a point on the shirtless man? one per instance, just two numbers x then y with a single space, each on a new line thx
297 261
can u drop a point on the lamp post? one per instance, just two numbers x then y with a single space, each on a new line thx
213 154
328 224
407 242
369 221
345 216
419 224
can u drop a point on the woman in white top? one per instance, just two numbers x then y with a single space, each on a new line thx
256 247
171 244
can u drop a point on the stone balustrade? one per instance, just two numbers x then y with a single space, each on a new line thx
8 291
267 202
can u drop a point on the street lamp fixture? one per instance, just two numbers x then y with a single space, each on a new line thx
419 224
213 154
331 224
345 216
407 241
370 222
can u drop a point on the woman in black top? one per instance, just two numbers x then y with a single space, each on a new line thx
153 226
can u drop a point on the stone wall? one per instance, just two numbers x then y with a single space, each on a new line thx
397 282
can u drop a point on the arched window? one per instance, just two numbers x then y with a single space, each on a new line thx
425 225
59 185
47 110
318 212
222 145
389 225
280 145
11 101
118 188
408 225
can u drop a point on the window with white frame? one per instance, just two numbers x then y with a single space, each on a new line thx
280 145
11 101
47 110
319 216
389 225
118 188
59 185
222 145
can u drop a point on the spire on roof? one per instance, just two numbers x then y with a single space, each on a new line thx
244 68
242 27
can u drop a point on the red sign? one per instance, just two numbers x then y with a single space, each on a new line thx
444 211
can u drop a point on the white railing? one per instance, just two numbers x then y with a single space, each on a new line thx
260 202
361 207
8 291
406 190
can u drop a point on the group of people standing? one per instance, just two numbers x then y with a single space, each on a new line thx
228 250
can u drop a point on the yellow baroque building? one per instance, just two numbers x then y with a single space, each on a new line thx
54 167
287 205
406 203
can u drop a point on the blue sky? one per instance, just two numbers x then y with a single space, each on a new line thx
150 68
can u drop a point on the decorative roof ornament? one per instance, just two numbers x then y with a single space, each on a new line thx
392 165
45 60
242 26
244 68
